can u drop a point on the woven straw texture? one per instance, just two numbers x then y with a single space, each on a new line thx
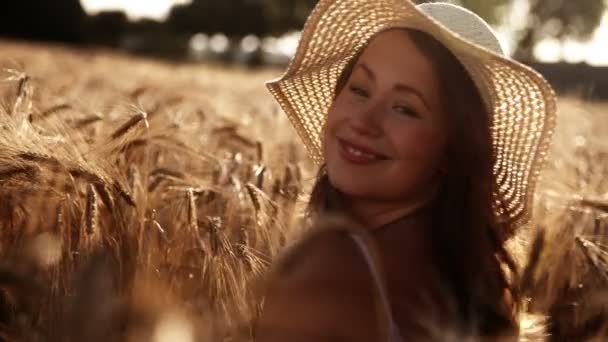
521 102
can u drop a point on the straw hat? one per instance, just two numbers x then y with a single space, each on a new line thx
521 102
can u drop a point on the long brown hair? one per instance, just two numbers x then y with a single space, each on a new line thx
469 242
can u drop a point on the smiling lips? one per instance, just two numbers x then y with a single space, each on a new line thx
358 154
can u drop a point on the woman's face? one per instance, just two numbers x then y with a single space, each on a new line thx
386 132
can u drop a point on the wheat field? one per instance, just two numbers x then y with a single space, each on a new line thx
142 200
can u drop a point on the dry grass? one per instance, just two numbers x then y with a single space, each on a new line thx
142 201
568 279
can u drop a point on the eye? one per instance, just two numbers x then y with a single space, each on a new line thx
358 91
406 110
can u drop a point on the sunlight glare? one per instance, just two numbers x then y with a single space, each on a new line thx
574 51
548 51
134 9
597 55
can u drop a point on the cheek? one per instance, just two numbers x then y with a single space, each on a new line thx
326 135
337 113
418 145
335 117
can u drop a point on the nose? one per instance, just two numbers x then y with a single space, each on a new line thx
366 120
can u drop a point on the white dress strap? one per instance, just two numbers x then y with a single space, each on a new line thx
374 264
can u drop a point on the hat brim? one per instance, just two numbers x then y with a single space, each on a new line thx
521 102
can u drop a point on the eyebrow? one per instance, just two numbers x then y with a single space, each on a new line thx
399 87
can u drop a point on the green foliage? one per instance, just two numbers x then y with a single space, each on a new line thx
241 17
491 10
288 14
561 19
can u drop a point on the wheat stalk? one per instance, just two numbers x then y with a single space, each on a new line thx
251 191
192 211
595 255
86 121
133 121
91 213
259 176
596 204
29 172
54 110
527 279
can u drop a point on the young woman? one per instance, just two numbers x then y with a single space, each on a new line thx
429 142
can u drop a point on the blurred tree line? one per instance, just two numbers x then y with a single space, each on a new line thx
240 17
42 20
560 19
65 20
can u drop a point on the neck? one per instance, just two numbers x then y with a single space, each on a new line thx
374 214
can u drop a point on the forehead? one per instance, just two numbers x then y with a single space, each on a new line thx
395 59
396 50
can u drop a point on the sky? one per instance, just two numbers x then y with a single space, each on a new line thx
594 52
135 9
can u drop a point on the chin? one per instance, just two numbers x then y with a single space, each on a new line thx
348 181
351 187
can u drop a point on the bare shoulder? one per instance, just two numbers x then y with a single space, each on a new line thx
315 254
322 289
319 289
420 297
